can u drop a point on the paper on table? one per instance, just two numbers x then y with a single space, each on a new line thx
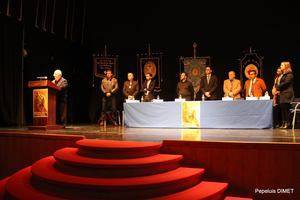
251 98
132 101
179 100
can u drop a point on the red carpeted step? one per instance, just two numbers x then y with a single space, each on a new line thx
2 187
76 164
174 180
19 186
236 198
204 191
117 149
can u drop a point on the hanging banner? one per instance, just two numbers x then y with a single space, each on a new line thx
195 69
101 64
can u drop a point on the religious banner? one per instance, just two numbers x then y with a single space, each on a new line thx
40 103
194 67
250 61
104 62
190 114
150 63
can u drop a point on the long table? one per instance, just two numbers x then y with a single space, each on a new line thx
240 114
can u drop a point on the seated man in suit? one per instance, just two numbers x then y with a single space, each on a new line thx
61 97
254 86
131 87
208 85
232 87
185 88
148 88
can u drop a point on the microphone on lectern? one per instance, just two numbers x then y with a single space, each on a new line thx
42 77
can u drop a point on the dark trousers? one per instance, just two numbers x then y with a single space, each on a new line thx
109 105
61 113
285 111
277 115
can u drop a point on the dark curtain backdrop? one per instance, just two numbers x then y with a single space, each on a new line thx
45 53
10 72
48 52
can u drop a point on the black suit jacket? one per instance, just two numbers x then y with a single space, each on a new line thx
285 88
151 87
211 87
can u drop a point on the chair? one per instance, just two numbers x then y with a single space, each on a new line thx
294 110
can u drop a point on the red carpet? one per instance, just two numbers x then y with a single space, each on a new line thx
103 169
236 198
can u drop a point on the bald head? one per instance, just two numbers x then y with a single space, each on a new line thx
231 75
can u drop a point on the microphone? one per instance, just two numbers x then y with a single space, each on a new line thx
42 77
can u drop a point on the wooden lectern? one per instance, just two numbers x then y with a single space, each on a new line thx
44 105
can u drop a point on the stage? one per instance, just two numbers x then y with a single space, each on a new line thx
248 159
161 134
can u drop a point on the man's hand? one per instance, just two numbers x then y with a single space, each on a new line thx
207 94
108 94
230 94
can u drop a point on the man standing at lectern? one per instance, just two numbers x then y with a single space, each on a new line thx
61 97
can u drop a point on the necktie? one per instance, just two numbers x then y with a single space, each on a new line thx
208 78
148 84
250 88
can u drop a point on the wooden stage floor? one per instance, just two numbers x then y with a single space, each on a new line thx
158 134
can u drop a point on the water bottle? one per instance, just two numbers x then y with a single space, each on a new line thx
142 99
203 97
180 96
266 94
157 97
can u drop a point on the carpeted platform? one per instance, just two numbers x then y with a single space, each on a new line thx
103 169
236 198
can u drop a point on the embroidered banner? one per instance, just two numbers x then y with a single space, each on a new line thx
195 69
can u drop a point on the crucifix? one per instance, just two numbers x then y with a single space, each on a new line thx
195 49
149 50
105 51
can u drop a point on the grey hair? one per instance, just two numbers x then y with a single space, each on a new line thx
57 72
